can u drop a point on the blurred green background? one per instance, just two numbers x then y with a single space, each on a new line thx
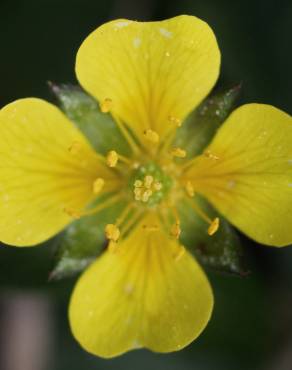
251 327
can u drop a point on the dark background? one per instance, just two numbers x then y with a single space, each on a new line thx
251 327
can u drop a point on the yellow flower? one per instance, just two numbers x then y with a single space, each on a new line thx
146 290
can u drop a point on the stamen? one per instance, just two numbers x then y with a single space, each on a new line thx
126 160
127 136
175 120
210 155
106 203
75 147
214 226
178 152
179 253
151 136
72 212
106 105
190 189
112 232
98 184
165 147
131 222
123 216
112 158
201 213
115 231
175 230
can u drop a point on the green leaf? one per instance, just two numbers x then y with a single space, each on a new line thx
83 241
221 251
201 125
99 128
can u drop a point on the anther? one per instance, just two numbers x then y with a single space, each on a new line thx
210 155
146 195
175 120
175 230
75 147
178 152
151 136
98 184
148 180
214 226
112 158
190 189
143 190
112 232
72 213
138 184
106 105
138 191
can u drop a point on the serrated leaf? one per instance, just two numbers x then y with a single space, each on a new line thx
99 128
201 125
221 251
83 241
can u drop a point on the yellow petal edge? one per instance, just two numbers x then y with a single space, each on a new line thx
145 293
250 179
40 176
153 73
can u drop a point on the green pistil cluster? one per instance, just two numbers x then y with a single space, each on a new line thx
150 184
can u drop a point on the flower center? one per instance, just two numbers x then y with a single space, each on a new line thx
150 184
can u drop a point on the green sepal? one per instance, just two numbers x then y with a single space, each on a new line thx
222 251
201 125
83 241
83 110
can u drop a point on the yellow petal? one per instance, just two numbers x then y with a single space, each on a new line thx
154 73
145 292
47 169
246 173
